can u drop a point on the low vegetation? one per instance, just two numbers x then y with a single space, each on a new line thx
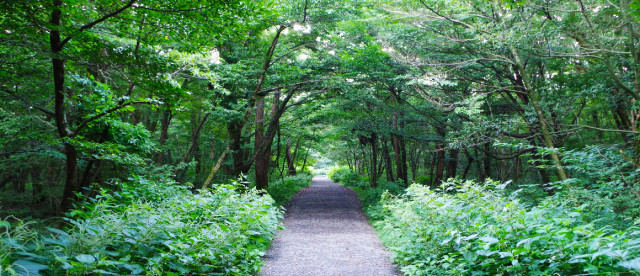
470 228
281 190
149 228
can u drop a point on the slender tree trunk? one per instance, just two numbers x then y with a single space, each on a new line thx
440 148
70 152
387 159
304 163
452 165
432 167
240 163
164 134
290 162
487 161
216 167
403 160
373 175
533 97
179 174
481 172
469 163
397 155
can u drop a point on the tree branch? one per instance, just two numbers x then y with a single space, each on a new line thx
46 111
265 92
106 112
101 19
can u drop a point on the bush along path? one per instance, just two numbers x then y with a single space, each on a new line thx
326 233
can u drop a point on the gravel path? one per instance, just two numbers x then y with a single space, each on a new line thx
326 234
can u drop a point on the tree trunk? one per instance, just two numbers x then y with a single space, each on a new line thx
240 163
290 165
216 167
373 175
195 138
387 159
452 165
403 159
469 163
262 154
432 166
487 161
164 134
304 163
533 98
440 149
481 172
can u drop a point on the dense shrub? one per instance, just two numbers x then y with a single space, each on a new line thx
281 190
343 175
476 230
362 187
163 230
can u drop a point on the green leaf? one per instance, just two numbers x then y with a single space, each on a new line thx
85 259
631 264
489 240
24 267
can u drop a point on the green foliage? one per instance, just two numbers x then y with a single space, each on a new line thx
369 196
151 228
343 175
478 230
282 190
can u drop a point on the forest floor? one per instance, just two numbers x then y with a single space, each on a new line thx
326 233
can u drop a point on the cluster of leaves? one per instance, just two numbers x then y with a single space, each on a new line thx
344 175
281 190
163 229
472 229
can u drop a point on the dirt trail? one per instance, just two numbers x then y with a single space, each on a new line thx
326 234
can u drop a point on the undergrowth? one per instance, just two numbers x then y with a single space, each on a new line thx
468 228
149 228
474 229
281 190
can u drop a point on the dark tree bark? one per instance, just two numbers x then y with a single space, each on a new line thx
397 155
195 138
487 162
373 176
440 149
469 163
238 154
480 162
387 159
452 164
290 166
164 133
262 154
58 67
403 160
432 166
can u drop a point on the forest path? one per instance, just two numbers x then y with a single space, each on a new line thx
326 234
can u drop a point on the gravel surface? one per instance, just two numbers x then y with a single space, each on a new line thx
326 234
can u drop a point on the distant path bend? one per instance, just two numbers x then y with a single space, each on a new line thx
326 234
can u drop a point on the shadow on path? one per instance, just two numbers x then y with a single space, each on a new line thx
326 234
